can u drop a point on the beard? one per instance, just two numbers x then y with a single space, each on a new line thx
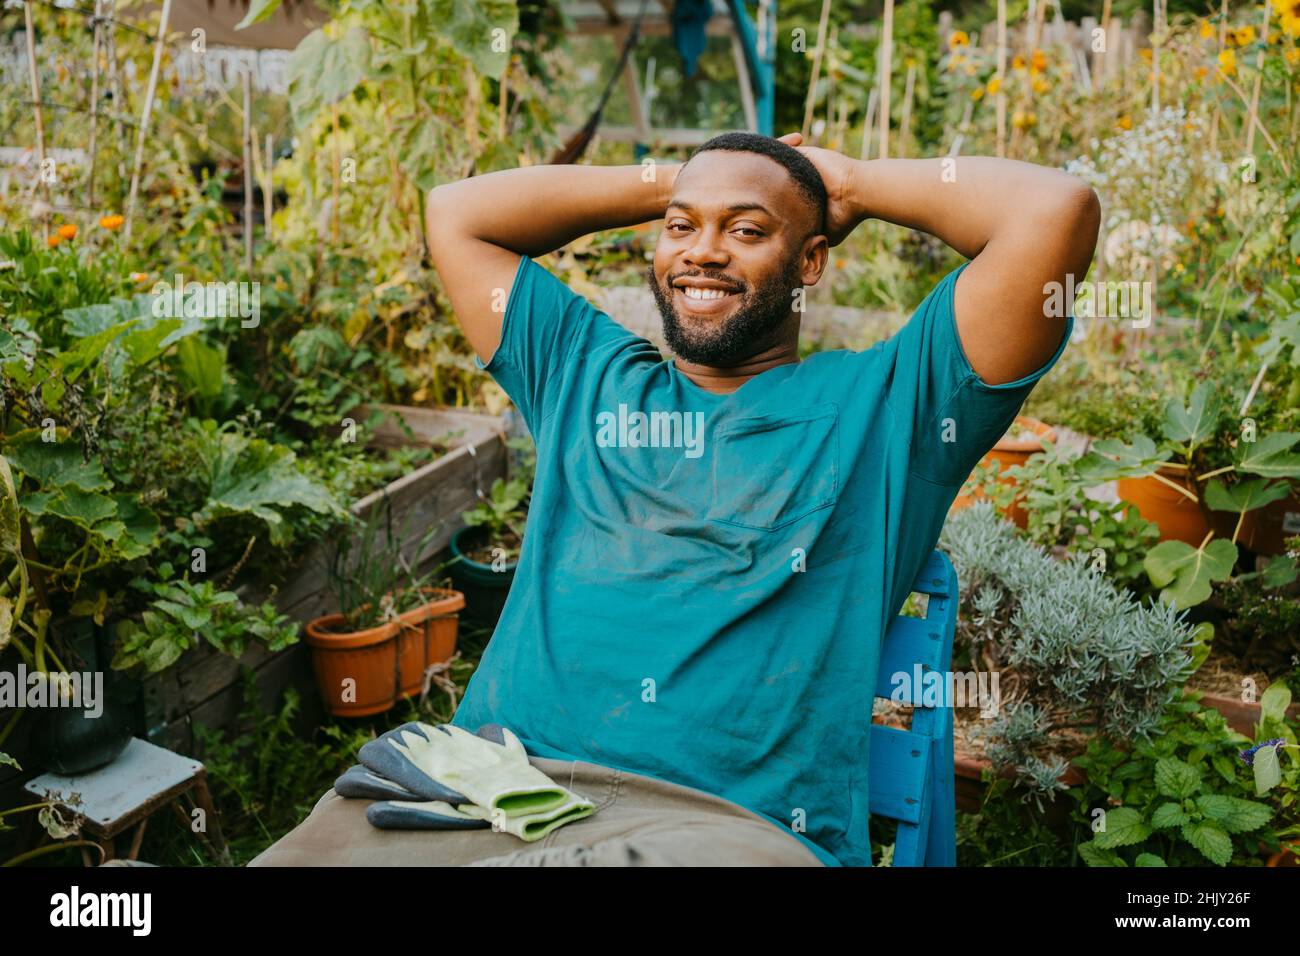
762 311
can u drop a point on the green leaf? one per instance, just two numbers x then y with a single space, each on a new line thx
1149 859
322 71
140 525
1274 702
482 30
56 464
1124 827
1210 839
1280 571
1234 814
1245 495
1169 815
6 622
1094 855
1195 423
203 367
1267 768
8 761
1110 459
258 11
10 523
1270 456
86 352
1176 779
1184 573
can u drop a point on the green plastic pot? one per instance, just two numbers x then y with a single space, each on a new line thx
485 590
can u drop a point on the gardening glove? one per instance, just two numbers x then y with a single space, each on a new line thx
439 815
358 783
496 776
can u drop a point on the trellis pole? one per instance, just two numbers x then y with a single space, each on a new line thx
40 122
159 45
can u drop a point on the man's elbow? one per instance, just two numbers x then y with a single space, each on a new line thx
1076 214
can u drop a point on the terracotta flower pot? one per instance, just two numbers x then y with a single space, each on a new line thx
359 673
1178 517
1008 452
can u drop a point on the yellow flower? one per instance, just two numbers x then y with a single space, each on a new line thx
956 61
1201 72
1288 12
1024 120
958 38
68 231
1207 30
1041 85
1018 62
995 84
1145 53
1038 62
1228 62
1244 36
1293 55
841 263
977 94
1125 122
112 223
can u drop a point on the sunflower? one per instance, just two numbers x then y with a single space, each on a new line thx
1288 12
1207 30
1244 36
958 38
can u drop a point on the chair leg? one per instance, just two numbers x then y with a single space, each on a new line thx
137 839
203 798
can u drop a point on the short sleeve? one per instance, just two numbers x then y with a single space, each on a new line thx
955 416
544 323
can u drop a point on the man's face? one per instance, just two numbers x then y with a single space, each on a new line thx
737 242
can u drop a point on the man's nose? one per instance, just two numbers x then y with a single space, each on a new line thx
707 250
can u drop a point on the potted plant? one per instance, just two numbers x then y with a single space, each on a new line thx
392 626
486 551
1024 438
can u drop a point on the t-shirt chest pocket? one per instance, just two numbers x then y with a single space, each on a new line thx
769 471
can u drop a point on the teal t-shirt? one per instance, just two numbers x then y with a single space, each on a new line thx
705 579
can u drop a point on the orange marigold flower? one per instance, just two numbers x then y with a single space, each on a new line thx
53 240
958 38
112 223
1038 61
1125 122
1201 72
139 277
1145 53
68 231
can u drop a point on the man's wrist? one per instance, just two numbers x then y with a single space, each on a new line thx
861 186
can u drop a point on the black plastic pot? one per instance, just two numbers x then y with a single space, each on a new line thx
485 590
65 740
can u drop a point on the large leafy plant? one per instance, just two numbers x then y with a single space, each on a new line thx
1261 467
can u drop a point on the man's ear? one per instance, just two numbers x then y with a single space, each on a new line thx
813 258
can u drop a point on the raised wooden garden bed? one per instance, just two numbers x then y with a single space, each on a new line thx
204 686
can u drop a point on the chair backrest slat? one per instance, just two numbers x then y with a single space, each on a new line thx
911 773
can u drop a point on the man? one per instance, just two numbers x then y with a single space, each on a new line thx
717 542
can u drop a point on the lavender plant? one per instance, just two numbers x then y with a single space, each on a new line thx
1075 653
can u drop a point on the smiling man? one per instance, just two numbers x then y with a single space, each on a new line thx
692 640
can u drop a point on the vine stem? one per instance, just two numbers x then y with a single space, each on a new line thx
1174 485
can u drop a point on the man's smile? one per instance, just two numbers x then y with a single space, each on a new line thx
704 297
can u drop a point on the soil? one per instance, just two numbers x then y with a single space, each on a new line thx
482 552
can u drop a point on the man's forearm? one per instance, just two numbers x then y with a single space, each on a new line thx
537 209
965 201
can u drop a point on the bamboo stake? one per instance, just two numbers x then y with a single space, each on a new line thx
1096 56
40 122
335 170
831 91
246 76
886 70
905 124
115 91
1001 75
94 107
152 89
869 123
268 200
1259 79
1218 109
816 69
1157 40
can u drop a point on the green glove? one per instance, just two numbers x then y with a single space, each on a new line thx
437 815
495 776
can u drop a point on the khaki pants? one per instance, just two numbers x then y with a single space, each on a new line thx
639 821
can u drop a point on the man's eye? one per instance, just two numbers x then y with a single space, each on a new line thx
750 232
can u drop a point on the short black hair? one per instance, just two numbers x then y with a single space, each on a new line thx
800 167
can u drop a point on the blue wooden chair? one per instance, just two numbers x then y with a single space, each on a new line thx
912 770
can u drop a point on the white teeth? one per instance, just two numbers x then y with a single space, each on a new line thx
693 292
